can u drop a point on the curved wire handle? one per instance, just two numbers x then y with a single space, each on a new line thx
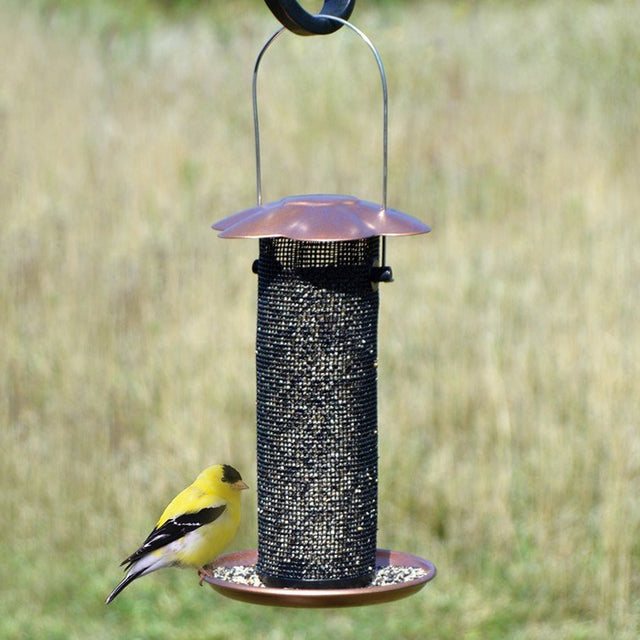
385 108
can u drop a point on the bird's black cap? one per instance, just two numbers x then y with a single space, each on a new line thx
230 475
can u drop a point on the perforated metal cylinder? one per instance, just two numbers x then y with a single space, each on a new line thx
317 450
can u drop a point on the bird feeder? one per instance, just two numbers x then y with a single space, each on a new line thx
321 257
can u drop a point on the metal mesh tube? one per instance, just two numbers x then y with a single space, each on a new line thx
317 448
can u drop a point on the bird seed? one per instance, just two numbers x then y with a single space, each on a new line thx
246 575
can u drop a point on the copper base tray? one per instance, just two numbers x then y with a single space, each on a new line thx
317 598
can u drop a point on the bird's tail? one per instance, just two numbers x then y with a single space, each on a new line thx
147 564
128 579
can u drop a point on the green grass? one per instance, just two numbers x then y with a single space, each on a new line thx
509 343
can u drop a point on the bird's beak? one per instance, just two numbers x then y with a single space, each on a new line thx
239 486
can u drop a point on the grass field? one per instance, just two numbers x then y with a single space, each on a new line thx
509 343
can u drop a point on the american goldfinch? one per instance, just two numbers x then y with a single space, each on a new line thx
194 528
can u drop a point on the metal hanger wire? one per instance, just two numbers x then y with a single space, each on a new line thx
385 111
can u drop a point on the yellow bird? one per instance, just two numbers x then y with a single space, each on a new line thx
193 530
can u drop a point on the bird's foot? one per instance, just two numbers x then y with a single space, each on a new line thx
204 573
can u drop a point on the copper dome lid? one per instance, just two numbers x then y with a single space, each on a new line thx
319 217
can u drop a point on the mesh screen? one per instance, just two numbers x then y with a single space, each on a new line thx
317 412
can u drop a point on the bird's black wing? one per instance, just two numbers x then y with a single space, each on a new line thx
173 529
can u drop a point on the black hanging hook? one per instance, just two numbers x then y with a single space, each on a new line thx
300 21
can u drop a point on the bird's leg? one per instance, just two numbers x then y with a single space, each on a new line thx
204 573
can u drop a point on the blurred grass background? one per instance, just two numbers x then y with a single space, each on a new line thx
509 343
